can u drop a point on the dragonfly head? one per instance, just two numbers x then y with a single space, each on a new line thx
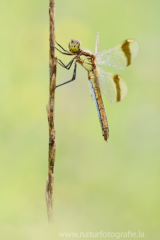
74 46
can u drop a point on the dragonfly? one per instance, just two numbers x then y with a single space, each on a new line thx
100 81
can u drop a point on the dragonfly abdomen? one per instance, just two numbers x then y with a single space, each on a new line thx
94 85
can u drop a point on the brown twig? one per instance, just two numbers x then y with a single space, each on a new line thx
50 113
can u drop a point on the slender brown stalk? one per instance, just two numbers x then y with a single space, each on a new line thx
50 113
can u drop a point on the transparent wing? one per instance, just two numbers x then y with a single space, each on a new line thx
84 49
120 56
97 44
112 85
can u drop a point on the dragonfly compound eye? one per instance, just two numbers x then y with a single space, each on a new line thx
74 46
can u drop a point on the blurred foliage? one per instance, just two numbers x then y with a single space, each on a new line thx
110 186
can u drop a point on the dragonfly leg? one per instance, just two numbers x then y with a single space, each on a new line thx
66 53
62 47
68 66
73 77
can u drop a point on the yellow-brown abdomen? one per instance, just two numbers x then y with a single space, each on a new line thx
96 93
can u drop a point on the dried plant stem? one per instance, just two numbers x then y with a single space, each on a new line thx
50 113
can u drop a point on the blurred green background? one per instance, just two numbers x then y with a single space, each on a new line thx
98 186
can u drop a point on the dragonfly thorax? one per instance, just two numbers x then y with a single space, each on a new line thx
74 46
